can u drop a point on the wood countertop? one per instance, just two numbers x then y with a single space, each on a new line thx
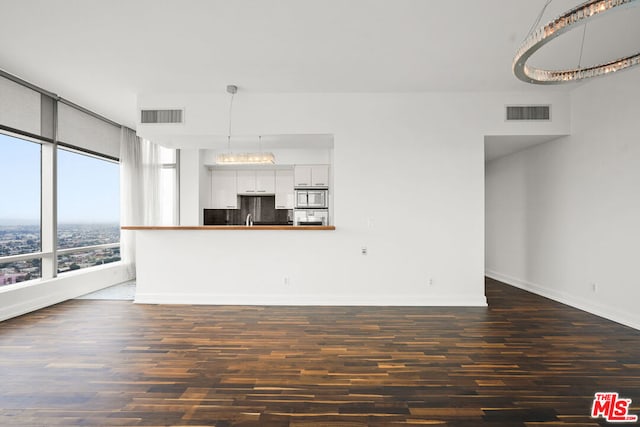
231 227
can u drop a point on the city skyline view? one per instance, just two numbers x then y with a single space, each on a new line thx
88 210
25 239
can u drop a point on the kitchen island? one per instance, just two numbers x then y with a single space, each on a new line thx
280 265
220 264
234 227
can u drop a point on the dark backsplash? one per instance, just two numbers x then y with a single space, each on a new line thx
262 208
221 216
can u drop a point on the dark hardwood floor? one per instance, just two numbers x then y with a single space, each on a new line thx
524 361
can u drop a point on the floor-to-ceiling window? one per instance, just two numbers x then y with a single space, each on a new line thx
60 192
20 230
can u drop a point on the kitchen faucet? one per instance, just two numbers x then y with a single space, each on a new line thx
249 221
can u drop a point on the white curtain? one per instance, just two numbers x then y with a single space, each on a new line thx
139 190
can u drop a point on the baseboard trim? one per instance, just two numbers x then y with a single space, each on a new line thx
308 300
610 313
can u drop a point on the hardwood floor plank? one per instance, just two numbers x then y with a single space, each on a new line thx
523 361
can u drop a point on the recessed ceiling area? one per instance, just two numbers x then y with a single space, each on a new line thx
496 146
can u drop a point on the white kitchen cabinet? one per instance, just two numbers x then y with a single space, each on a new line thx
246 182
320 175
284 189
302 176
311 176
256 182
224 192
265 181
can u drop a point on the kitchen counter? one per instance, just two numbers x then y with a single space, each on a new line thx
232 227
225 264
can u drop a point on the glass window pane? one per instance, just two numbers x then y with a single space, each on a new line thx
19 208
87 258
88 209
168 186
168 202
20 271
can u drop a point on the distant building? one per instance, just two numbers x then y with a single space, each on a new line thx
11 278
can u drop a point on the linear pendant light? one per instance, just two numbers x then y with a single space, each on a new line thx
231 158
245 159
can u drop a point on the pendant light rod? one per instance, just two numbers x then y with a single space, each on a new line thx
232 89
242 158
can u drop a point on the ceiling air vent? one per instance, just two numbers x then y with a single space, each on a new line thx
161 116
528 112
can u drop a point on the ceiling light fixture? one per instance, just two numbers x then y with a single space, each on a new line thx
231 158
579 15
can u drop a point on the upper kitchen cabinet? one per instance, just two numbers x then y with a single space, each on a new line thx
311 176
246 181
256 182
284 189
224 192
265 181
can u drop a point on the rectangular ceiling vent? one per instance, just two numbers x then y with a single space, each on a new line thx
162 116
528 112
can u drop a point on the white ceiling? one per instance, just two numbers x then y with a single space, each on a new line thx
101 54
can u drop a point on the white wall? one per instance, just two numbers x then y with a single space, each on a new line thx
565 215
408 185
30 296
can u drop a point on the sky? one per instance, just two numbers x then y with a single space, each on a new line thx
88 188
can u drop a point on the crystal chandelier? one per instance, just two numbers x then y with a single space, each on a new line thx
579 15
258 158
231 158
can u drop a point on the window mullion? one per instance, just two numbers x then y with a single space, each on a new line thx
49 203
